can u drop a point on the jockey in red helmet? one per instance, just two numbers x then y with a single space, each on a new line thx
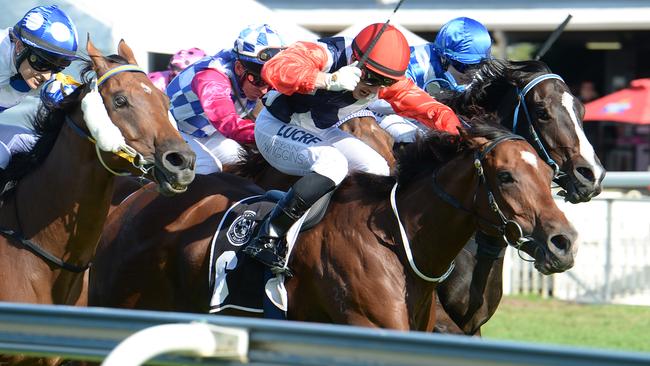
317 84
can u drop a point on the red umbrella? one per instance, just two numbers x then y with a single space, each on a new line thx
631 105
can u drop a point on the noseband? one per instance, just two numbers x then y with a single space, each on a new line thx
510 230
521 96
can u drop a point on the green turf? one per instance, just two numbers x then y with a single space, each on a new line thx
532 319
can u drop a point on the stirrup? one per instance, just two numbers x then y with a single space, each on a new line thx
267 255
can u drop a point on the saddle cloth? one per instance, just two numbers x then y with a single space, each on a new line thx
236 280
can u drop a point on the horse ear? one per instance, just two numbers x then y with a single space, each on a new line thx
96 56
125 51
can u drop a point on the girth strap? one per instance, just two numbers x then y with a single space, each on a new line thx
34 248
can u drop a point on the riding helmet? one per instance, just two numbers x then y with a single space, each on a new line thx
390 56
50 33
464 40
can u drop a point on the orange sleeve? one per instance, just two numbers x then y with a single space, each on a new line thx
294 70
410 101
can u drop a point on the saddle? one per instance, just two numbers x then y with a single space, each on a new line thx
236 280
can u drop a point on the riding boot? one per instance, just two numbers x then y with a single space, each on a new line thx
265 247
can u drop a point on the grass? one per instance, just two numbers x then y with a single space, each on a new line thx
533 319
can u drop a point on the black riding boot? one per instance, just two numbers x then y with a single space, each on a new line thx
304 193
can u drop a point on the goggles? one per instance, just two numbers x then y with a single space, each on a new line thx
40 63
268 53
255 79
371 78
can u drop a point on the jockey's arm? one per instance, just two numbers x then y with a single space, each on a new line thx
410 101
214 91
298 69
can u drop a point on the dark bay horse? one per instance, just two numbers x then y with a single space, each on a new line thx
360 265
51 221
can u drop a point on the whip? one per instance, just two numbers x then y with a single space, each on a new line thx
553 37
372 44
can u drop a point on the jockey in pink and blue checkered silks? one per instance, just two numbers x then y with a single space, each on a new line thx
213 99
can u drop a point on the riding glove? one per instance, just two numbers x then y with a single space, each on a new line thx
345 78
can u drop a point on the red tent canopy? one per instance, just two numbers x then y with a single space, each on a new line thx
631 105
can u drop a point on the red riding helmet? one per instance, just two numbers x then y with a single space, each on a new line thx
391 54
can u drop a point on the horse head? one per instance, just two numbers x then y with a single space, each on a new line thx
557 116
538 105
513 199
140 112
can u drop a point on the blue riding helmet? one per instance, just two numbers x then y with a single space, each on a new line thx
48 33
463 40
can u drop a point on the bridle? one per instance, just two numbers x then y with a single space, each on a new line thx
537 142
509 229
125 152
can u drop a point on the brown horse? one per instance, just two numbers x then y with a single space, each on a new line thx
354 266
51 221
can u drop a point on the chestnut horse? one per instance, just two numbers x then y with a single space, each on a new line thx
364 263
550 118
51 221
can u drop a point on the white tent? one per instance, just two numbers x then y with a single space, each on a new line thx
166 26
412 38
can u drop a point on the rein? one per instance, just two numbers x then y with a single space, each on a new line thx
510 230
407 246
521 96
125 152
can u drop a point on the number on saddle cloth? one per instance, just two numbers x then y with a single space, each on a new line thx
231 269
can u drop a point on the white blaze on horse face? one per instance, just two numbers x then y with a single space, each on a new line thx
586 150
529 158
145 88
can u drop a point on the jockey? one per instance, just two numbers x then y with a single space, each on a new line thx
177 63
461 44
316 84
40 45
213 98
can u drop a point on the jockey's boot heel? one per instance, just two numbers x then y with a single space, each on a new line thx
265 247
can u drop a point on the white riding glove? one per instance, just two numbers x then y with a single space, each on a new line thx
345 78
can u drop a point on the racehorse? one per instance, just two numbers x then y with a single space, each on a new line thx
51 221
538 105
376 256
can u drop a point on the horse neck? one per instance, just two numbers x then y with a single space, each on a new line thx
62 205
436 230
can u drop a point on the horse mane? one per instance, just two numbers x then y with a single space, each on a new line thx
491 82
46 124
428 154
251 162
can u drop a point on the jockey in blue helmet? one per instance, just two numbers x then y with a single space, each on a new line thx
41 44
460 44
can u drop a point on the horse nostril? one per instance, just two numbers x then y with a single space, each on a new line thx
561 242
587 173
175 159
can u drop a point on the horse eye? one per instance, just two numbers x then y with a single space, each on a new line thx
120 101
505 177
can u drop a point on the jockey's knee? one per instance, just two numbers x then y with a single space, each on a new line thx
332 164
5 155
377 166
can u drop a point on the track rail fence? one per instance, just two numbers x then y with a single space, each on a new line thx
92 333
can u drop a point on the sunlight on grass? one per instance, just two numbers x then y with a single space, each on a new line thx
533 319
